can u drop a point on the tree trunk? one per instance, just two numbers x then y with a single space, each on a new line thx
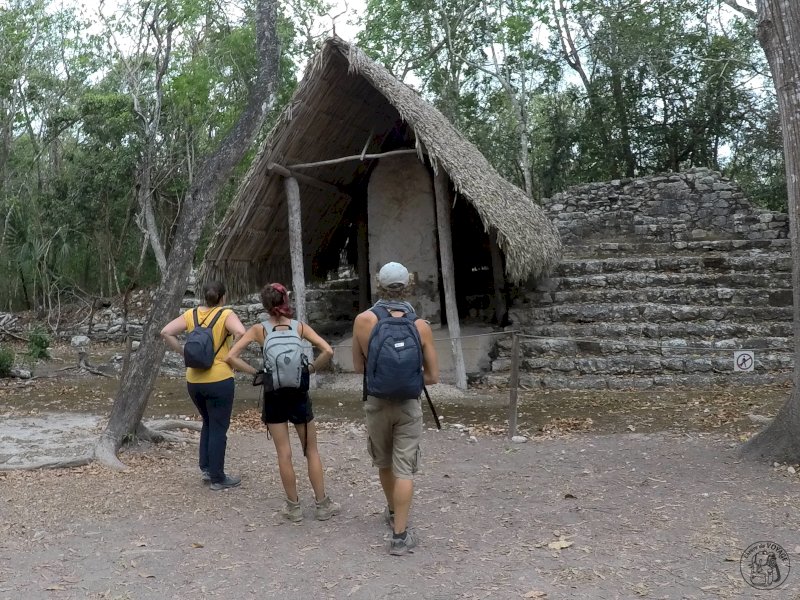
778 30
138 380
628 157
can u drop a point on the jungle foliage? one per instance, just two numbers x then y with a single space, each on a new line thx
104 115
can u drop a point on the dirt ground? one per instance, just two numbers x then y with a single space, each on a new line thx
615 495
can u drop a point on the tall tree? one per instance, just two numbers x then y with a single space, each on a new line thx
778 29
138 379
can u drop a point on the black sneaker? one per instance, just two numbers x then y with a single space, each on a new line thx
404 545
228 482
205 476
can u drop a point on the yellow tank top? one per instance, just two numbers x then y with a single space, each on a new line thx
220 370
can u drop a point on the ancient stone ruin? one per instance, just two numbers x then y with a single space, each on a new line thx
663 278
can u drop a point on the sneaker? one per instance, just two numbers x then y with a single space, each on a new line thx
229 482
399 547
205 476
388 516
292 511
326 508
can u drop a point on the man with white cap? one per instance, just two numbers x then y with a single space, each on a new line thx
392 386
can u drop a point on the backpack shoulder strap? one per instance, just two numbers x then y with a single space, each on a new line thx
216 318
211 327
381 312
196 320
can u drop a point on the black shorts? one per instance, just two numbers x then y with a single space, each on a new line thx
287 404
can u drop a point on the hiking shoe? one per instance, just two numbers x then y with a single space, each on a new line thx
229 482
326 508
205 476
292 511
399 547
388 516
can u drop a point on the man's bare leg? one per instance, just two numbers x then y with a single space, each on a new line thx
403 493
387 483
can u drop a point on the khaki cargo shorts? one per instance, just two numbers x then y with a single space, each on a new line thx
394 430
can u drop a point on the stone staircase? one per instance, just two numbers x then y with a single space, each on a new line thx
644 303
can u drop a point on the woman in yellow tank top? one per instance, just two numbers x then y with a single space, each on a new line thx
211 389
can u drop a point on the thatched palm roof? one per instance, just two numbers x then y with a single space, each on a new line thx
344 101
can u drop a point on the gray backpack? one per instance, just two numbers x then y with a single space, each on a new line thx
285 361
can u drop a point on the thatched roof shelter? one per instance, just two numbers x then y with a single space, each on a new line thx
347 104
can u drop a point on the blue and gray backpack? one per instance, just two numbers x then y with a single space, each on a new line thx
285 360
394 357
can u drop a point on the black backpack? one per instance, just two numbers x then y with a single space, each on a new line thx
394 357
198 351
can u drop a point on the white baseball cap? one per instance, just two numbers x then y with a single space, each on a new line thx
393 275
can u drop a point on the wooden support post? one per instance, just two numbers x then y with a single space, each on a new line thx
513 386
442 195
499 279
364 295
296 246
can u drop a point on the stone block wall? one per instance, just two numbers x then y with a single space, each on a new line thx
696 205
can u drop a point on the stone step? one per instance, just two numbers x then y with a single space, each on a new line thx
593 382
692 330
680 264
668 347
578 226
642 364
643 248
647 312
669 295
631 279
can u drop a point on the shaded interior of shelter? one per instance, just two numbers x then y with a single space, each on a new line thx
350 117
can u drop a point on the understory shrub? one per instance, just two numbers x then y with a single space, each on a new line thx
6 361
38 342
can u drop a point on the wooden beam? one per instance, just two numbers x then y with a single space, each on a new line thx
310 181
442 195
296 246
359 157
366 144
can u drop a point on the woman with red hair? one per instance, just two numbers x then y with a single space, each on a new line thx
284 405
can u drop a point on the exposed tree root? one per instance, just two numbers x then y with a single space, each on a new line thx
82 364
167 424
155 436
53 463
760 419
85 367
105 452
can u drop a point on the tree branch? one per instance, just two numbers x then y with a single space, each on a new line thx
748 13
